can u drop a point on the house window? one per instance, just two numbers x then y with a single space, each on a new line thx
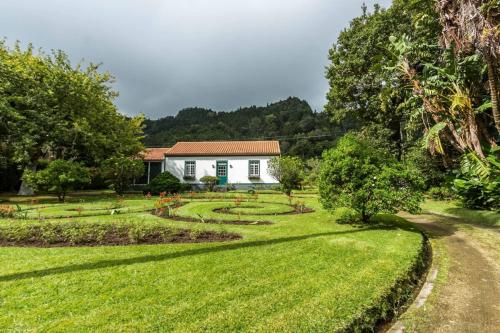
254 169
190 169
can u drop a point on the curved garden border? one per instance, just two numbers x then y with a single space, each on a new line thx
212 221
398 298
295 210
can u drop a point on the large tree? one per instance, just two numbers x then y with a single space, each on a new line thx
51 110
473 26
361 91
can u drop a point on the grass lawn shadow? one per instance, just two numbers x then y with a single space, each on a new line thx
168 256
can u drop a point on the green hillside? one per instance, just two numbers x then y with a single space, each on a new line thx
300 130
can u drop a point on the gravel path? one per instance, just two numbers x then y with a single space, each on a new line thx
469 300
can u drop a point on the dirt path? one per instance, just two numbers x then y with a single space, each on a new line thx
469 298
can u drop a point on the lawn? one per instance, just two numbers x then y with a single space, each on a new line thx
302 272
486 218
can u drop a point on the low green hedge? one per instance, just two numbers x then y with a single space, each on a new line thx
88 234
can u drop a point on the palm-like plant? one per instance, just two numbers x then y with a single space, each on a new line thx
473 25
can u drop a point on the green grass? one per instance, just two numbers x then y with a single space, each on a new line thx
304 272
453 209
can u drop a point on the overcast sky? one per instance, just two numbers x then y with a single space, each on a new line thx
167 55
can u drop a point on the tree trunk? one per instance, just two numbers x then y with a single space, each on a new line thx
25 189
473 134
492 81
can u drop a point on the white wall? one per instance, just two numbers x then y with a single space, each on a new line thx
205 166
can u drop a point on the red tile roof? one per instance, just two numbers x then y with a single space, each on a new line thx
225 148
155 154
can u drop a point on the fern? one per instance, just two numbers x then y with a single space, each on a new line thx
473 165
432 139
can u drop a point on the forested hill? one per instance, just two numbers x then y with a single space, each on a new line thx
301 131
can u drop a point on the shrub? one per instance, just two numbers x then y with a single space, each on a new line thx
185 187
441 193
359 176
59 177
348 216
478 181
120 171
311 172
478 194
83 233
210 182
288 171
164 182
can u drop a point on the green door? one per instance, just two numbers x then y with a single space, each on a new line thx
222 172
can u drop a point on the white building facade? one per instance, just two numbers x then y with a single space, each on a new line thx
240 164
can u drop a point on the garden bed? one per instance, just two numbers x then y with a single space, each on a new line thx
237 210
211 220
94 234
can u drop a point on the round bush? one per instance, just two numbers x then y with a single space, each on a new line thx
164 182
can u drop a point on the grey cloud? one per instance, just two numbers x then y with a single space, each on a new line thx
167 55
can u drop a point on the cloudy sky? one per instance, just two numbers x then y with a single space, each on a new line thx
171 54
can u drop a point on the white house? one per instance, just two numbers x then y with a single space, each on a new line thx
242 164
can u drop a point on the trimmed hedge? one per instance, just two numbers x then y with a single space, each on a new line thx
89 234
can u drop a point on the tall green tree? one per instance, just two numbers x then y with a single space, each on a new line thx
361 92
473 26
120 171
50 109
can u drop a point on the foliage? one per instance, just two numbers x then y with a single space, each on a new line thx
50 109
348 216
120 171
431 167
164 182
362 93
478 181
449 97
441 193
59 177
421 73
210 182
302 131
288 171
82 233
357 175
9 211
311 171
472 27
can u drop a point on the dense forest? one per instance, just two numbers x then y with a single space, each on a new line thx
301 131
420 79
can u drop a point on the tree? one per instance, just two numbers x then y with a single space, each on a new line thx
357 175
59 177
361 92
210 182
120 171
447 97
288 171
311 172
50 110
472 25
